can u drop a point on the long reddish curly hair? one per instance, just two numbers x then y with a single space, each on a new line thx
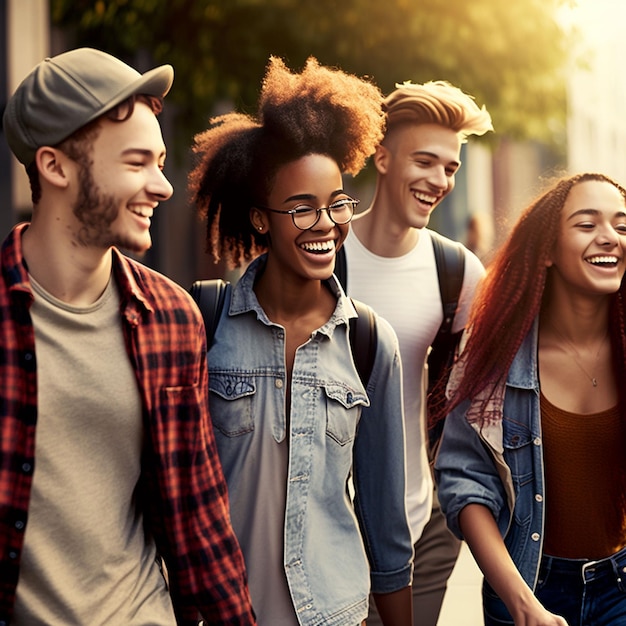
511 295
320 110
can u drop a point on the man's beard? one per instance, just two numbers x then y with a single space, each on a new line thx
96 212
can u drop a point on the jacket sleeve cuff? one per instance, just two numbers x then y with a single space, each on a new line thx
388 582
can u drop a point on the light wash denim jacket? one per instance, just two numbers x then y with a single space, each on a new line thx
501 467
336 430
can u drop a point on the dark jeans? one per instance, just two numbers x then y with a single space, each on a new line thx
585 593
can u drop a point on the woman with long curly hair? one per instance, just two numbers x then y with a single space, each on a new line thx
531 468
295 426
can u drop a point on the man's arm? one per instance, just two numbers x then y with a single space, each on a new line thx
217 568
186 492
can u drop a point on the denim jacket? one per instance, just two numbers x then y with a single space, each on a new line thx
501 467
336 431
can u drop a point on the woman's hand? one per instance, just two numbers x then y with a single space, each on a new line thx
484 540
529 612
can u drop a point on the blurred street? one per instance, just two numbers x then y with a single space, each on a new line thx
462 603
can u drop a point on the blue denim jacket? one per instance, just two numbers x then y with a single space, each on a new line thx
335 431
501 467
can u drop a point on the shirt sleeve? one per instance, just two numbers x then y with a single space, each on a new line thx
187 491
472 275
465 472
380 471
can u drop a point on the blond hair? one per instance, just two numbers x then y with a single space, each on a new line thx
436 102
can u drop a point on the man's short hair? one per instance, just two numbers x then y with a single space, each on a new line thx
436 102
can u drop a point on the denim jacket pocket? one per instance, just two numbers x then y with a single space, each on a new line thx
231 402
343 410
519 448
518 445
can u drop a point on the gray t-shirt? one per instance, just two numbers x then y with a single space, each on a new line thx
86 558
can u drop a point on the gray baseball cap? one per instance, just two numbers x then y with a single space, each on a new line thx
63 93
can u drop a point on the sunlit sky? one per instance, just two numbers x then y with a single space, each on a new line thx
596 18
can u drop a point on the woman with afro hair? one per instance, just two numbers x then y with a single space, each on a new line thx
532 464
314 461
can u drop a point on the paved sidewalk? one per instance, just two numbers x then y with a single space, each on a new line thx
462 605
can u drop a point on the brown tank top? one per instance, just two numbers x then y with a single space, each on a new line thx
585 482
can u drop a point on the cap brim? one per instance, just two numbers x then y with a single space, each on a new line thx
156 82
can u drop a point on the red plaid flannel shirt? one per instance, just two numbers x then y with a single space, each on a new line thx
182 486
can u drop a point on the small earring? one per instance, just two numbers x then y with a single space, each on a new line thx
260 228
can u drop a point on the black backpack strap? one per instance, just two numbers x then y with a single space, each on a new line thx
363 332
450 261
341 268
210 295
363 340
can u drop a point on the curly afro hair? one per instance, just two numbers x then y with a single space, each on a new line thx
320 110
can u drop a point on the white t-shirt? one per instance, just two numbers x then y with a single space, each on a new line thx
405 291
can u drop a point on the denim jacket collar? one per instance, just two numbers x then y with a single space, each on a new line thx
524 370
244 299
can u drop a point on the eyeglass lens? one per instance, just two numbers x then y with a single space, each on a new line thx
305 217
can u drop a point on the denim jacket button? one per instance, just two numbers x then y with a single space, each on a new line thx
535 536
538 497
278 383
537 441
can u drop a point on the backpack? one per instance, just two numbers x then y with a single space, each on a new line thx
210 296
450 262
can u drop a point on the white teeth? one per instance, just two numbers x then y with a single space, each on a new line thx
425 198
142 211
318 246
602 259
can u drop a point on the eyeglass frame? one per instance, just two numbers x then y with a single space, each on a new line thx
293 212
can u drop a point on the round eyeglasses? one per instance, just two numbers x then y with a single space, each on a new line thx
305 216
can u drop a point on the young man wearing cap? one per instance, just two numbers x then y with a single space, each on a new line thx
107 461
391 266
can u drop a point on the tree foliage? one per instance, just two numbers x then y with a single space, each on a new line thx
510 55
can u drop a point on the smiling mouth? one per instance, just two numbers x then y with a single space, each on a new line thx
141 211
603 260
318 247
425 198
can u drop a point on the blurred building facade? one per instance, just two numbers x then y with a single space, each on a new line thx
597 91
24 41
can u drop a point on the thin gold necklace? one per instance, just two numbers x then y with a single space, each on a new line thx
577 358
